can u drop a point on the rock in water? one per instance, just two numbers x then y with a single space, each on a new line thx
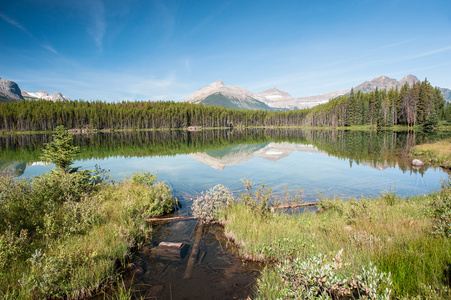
417 163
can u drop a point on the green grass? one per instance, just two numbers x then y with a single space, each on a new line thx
60 240
436 153
396 235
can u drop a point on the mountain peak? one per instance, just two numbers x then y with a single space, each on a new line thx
217 83
384 82
46 96
217 93
9 90
410 79
273 95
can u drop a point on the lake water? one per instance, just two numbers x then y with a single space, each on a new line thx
330 163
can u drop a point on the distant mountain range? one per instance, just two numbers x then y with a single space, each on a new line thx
219 94
10 91
228 96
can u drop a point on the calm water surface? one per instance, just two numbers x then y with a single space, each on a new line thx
292 165
331 163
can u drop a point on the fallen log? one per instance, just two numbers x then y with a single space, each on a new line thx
292 205
156 220
171 250
194 252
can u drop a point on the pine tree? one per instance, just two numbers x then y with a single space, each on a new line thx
61 151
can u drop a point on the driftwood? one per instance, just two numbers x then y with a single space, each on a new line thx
292 205
174 250
194 252
156 220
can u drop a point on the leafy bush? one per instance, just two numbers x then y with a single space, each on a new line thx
319 277
257 201
441 210
143 178
208 206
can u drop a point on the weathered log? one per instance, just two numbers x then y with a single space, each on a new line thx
194 252
156 220
169 249
292 205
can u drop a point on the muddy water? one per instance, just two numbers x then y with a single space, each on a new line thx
216 272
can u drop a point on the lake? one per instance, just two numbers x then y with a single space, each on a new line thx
330 163
320 162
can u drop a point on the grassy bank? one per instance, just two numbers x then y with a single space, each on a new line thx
377 248
67 235
438 153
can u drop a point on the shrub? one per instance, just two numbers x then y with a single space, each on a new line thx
441 210
259 200
208 206
319 277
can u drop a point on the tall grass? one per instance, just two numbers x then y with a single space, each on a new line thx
60 239
398 236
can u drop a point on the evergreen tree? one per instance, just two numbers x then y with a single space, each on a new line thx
61 151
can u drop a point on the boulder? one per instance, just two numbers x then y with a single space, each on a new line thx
417 163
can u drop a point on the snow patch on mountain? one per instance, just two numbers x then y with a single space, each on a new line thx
46 96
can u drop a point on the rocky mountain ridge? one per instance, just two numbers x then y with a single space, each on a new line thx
277 99
217 93
10 91
46 96
384 82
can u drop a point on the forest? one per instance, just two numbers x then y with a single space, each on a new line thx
410 105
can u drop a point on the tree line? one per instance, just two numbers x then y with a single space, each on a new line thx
410 105
414 105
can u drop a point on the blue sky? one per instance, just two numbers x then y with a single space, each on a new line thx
165 50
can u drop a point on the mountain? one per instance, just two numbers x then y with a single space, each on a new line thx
446 94
278 99
384 82
44 95
219 94
9 91
227 96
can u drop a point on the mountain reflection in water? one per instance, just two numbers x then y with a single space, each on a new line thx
331 162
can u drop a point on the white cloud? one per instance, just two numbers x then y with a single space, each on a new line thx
14 23
98 24
50 48
432 52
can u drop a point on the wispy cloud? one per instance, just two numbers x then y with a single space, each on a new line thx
98 25
50 48
14 23
21 27
432 52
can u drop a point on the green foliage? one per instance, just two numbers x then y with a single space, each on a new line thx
61 151
62 233
208 206
395 234
319 277
143 178
441 209
257 201
414 105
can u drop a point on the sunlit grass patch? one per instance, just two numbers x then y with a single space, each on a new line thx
438 152
393 234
